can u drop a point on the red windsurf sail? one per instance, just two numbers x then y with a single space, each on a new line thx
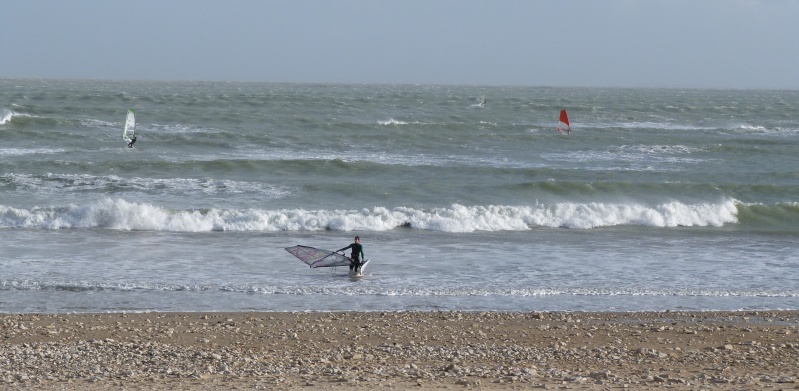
564 122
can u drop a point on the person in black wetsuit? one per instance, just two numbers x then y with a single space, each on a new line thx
357 253
133 140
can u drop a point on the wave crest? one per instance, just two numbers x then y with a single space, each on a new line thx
5 116
123 215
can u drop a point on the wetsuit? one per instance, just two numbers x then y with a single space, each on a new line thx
133 140
357 254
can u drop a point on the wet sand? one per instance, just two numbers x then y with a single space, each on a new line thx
401 350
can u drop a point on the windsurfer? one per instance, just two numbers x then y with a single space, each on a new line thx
564 123
357 253
133 140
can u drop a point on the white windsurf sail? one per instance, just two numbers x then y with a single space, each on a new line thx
130 126
316 257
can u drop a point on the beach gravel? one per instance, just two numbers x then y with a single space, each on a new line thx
401 350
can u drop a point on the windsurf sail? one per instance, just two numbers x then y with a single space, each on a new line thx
316 257
564 122
130 125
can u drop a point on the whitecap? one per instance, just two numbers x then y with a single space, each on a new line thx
123 215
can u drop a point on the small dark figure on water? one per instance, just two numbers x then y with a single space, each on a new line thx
133 140
357 253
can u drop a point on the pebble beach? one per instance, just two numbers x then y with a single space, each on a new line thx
401 350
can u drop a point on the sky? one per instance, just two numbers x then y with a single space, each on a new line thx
736 44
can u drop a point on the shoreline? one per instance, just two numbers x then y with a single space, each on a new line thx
682 350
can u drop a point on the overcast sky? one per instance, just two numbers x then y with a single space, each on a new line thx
617 43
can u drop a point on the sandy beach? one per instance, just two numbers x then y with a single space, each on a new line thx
401 350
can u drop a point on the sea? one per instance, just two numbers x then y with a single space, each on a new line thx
657 199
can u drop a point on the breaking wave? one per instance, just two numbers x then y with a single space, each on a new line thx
6 116
123 215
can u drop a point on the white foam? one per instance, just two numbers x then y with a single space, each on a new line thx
442 290
124 215
660 149
632 125
392 121
55 182
378 157
96 123
29 151
671 214
5 116
755 129
180 129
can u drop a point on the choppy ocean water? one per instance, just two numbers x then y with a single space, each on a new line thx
659 199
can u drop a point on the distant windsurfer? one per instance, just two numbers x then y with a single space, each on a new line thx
133 140
357 253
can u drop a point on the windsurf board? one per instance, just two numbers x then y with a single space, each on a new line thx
358 271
